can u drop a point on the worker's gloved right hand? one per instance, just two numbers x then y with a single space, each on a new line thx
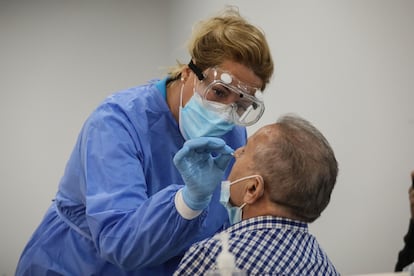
201 170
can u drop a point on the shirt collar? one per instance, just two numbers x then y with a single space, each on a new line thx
268 222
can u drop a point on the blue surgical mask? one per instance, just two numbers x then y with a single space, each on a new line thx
235 212
197 121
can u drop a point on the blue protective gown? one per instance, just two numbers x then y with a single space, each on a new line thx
114 212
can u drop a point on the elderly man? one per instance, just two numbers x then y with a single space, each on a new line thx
282 180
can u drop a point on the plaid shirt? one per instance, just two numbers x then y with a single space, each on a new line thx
262 246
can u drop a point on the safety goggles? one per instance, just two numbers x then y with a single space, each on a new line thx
232 99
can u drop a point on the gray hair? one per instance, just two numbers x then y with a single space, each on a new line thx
299 167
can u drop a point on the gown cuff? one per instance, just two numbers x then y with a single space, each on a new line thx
182 208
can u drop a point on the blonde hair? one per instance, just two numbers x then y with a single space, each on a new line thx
228 36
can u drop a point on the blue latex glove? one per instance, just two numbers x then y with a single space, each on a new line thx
200 170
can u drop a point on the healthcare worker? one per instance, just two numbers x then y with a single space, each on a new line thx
122 207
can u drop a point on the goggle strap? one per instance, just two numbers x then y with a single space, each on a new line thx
196 70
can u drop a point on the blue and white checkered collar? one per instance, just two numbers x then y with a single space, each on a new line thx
268 222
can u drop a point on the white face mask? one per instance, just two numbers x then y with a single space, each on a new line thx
235 212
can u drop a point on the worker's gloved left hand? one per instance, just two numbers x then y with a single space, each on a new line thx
200 170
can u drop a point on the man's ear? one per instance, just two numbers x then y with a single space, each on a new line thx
254 190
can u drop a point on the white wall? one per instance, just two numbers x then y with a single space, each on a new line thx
346 65
58 60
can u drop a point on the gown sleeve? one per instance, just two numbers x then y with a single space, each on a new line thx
129 227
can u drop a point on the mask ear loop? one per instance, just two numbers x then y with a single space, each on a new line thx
180 125
246 177
181 94
194 86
